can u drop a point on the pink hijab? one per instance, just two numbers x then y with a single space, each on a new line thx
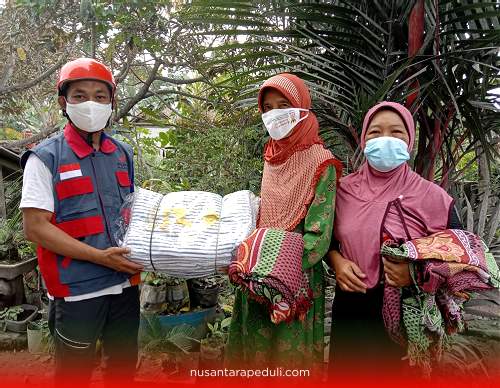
363 200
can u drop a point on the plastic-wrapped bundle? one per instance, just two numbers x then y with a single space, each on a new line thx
186 234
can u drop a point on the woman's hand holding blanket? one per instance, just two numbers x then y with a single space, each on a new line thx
396 274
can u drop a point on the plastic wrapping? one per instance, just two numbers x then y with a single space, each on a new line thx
186 234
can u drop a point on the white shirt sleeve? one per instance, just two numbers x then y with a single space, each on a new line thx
37 191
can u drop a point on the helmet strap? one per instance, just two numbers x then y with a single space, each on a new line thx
89 139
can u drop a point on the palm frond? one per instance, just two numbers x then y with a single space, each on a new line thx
355 53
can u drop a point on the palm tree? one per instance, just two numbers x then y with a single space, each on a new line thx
439 57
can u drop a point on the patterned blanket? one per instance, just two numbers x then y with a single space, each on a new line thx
447 266
268 266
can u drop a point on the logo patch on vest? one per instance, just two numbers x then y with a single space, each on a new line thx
67 171
122 162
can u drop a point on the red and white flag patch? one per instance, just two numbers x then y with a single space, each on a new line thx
67 171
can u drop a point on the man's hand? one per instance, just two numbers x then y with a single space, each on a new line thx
396 274
349 276
114 258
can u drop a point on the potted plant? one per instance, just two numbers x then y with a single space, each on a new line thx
17 256
153 293
177 294
35 333
34 291
205 291
212 347
16 318
40 339
175 346
177 365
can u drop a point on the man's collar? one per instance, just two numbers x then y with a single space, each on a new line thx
80 146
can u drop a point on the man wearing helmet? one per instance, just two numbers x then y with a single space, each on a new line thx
73 187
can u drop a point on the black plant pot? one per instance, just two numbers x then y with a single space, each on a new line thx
204 297
27 315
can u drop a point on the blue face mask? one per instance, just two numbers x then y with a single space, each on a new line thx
386 153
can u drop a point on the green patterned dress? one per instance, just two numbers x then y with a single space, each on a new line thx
253 338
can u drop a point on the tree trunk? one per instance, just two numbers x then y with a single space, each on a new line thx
3 206
415 41
20 144
93 38
484 191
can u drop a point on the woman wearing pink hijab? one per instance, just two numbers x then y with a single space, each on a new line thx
384 199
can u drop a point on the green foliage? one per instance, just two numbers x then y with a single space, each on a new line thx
13 246
356 53
197 142
495 175
352 54
218 333
219 328
155 279
8 133
47 344
221 160
38 325
11 313
157 338
208 282
468 164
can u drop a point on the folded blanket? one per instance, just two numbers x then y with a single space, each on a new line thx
448 265
268 266
186 234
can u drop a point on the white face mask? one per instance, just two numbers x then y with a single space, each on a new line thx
89 116
280 122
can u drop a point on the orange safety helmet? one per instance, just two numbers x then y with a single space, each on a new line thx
85 68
